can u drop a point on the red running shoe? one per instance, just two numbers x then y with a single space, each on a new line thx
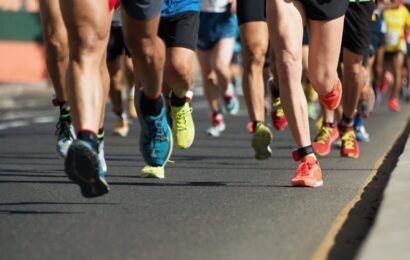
278 116
308 174
393 104
350 146
324 139
332 99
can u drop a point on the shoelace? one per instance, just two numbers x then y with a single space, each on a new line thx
277 107
304 169
348 139
63 128
180 118
323 135
156 132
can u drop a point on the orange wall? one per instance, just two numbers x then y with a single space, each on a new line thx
22 61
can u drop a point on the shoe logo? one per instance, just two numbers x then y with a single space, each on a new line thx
153 154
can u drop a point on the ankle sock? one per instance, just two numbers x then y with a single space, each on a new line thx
89 136
176 101
151 107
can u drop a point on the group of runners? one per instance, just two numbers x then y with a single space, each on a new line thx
335 48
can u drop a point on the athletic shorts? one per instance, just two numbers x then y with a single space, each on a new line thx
116 45
251 11
180 30
213 27
305 40
357 27
142 10
323 10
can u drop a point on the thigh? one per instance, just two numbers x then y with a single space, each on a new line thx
222 53
204 58
325 39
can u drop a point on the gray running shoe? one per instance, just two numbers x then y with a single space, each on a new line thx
101 156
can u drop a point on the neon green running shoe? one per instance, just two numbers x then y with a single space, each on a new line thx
261 140
183 128
155 172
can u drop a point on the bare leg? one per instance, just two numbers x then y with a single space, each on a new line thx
210 86
221 59
56 45
179 70
114 69
398 60
254 36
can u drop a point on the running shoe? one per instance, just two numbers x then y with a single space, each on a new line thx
218 125
121 127
322 144
387 80
261 140
360 130
65 135
278 116
310 93
231 104
101 155
393 104
84 168
154 172
308 174
183 128
332 99
155 136
350 146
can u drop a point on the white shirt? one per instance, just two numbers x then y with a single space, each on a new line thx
214 6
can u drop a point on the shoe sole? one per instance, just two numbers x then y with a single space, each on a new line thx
260 143
302 183
82 167
147 172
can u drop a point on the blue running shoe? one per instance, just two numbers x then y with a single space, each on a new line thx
83 167
231 103
155 137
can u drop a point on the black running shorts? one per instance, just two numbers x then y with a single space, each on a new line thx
324 10
357 27
180 30
116 45
142 10
251 11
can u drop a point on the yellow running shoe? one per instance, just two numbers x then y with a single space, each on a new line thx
261 140
183 128
155 172
310 93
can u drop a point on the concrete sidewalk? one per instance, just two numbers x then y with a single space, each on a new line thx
389 238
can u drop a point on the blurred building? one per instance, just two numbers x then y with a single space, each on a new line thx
21 51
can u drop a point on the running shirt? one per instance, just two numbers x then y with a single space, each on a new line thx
214 6
396 20
173 7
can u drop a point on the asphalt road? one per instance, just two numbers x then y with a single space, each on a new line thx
216 202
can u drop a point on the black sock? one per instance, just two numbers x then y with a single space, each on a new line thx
275 92
100 135
89 137
151 107
346 121
330 124
176 101
64 108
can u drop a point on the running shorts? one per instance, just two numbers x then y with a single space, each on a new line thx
180 30
116 44
251 11
323 10
357 27
142 10
213 27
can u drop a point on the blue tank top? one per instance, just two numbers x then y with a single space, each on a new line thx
173 7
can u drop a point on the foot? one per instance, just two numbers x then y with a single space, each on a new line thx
322 144
350 146
155 137
84 168
393 104
261 140
65 135
183 128
121 127
308 174
278 116
154 172
231 103
218 125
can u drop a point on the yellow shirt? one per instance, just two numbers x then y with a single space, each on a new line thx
396 20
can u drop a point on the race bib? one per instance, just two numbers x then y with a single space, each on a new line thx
392 38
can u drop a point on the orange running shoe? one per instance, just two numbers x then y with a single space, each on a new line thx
324 139
393 104
332 99
308 174
278 116
350 146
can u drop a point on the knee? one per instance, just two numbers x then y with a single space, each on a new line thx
57 45
322 79
353 72
254 55
86 42
181 71
144 49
